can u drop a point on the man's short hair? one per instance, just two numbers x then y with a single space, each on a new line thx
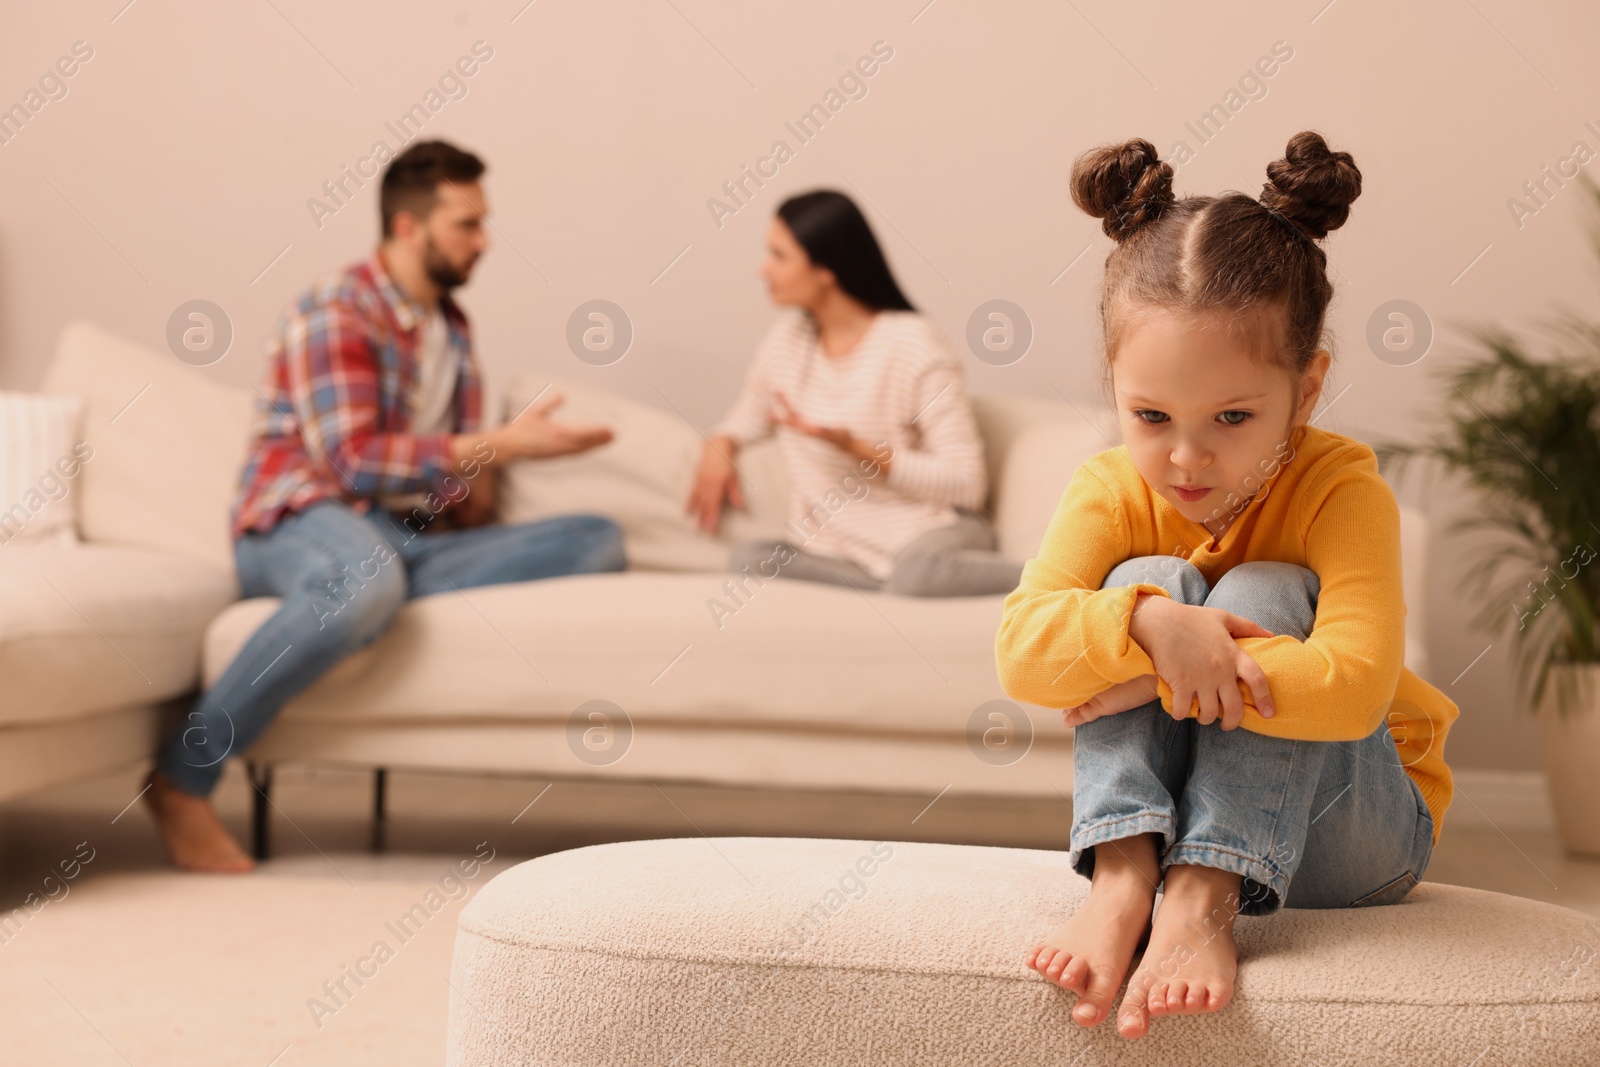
411 181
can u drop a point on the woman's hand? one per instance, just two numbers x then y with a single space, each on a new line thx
787 416
1193 648
715 481
843 440
1124 696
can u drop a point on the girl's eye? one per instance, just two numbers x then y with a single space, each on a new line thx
1155 418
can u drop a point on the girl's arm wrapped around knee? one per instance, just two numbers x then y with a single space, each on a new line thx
1063 639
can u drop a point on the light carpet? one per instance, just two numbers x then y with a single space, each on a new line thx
178 970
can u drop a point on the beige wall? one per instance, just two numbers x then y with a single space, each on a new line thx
180 162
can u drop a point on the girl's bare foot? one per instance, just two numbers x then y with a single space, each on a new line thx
1090 952
1189 966
191 832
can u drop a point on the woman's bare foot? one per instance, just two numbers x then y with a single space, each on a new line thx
1090 952
191 832
1189 966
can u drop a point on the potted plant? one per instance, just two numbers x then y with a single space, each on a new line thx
1525 432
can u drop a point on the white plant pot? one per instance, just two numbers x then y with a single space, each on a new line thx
1570 742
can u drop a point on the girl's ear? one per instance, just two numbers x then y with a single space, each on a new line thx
1311 384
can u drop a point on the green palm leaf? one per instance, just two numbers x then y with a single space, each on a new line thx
1525 433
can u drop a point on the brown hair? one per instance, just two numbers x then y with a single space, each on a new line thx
411 181
1228 253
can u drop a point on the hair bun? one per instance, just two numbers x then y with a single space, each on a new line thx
1124 185
1312 185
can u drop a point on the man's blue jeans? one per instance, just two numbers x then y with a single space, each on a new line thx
343 577
1306 824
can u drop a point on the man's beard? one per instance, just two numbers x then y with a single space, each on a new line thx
441 271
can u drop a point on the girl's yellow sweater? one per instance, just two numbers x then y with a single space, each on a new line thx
1323 505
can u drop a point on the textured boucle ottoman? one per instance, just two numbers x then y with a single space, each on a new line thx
771 951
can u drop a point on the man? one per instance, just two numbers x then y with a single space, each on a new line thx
369 482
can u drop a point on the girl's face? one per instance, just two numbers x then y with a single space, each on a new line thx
1207 425
792 279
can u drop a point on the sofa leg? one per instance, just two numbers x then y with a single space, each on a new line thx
260 775
380 815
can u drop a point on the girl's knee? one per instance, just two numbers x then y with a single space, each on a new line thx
1272 569
1180 578
1248 581
1280 596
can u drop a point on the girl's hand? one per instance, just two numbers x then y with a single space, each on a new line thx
1193 648
1124 696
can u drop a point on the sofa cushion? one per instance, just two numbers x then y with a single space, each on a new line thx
1039 464
168 445
1004 417
85 628
740 950
1414 587
41 755
41 453
641 479
787 653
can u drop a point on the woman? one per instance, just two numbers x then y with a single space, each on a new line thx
882 451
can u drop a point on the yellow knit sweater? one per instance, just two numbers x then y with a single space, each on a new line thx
1063 639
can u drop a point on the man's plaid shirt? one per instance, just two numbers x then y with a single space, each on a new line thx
333 413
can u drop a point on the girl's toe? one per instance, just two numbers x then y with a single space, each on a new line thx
1177 992
1095 1002
1075 975
1157 1001
1219 998
1133 1020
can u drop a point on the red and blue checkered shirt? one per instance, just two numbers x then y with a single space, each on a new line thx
333 414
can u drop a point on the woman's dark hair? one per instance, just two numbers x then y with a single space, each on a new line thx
835 235
1230 253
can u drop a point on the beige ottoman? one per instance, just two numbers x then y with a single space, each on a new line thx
755 952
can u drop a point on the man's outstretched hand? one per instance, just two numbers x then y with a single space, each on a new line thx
533 434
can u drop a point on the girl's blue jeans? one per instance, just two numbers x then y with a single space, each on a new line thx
343 576
1305 824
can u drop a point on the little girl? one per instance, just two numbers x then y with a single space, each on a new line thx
1230 565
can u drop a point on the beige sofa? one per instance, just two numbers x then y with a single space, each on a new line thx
617 676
